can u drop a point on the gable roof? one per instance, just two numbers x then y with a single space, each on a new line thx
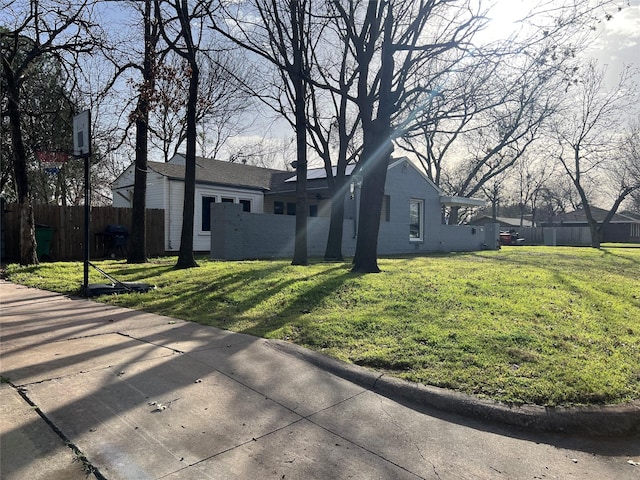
240 175
317 177
218 172
599 214
630 214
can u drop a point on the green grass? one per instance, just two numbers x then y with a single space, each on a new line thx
550 326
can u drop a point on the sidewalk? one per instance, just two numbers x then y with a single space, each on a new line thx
143 396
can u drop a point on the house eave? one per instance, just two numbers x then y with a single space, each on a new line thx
455 201
219 184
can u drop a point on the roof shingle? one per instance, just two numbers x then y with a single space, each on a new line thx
222 173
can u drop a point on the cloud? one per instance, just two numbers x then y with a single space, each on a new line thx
618 42
625 23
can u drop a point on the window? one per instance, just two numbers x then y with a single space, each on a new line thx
278 208
313 210
291 208
416 227
206 213
246 205
227 200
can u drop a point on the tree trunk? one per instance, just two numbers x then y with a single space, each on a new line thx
299 84
596 233
28 254
333 252
186 258
300 247
376 155
138 250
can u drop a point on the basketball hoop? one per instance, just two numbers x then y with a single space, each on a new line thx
82 134
52 161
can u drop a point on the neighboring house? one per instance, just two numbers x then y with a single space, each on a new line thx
411 215
505 222
621 228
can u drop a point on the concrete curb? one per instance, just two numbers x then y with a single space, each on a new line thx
606 420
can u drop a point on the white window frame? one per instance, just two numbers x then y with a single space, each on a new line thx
420 203
240 200
216 199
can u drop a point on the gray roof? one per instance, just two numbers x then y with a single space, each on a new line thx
218 172
599 214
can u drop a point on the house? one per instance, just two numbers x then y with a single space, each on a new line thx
622 228
229 197
216 181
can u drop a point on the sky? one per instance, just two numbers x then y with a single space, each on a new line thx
617 41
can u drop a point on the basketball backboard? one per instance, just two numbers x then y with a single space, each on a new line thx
82 134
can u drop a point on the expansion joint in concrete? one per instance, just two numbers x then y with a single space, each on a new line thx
87 466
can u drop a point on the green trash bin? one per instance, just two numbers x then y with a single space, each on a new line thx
43 239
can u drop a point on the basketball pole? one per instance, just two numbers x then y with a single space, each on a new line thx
87 220
82 149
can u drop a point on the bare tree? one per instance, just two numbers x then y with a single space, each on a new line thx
334 127
630 152
390 42
282 33
138 250
589 142
177 24
60 28
494 191
492 108
221 103
146 64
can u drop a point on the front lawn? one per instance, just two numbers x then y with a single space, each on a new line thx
543 325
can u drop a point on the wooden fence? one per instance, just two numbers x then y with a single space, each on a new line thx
66 226
568 236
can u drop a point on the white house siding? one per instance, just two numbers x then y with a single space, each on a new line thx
123 189
173 203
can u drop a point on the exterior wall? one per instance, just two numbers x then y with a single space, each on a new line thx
174 198
202 239
239 235
405 183
552 236
618 232
157 197
122 189
324 204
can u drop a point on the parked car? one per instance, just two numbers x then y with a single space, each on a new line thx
511 237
